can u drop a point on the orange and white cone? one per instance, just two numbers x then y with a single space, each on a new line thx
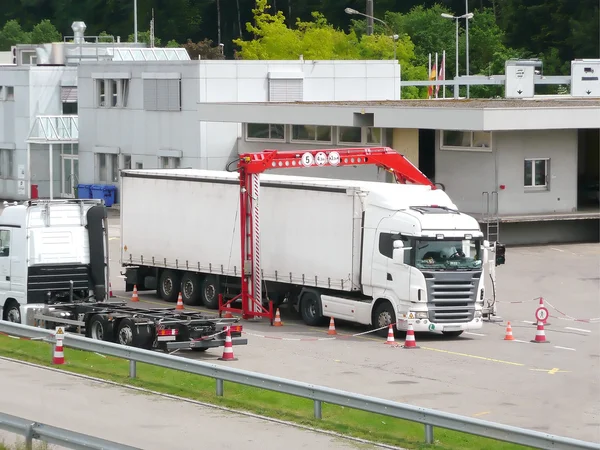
410 337
58 357
277 322
110 292
228 315
509 336
134 296
390 337
331 330
228 349
540 335
179 302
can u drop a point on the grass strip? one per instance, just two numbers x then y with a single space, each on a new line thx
351 422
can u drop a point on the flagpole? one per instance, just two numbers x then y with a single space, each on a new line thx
436 74
429 75
444 73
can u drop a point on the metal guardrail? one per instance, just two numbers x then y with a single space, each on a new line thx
52 435
318 394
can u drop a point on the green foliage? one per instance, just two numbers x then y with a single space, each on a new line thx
173 44
12 34
203 50
144 36
44 32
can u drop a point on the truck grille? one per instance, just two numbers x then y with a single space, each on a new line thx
452 295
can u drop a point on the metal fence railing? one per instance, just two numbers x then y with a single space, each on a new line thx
31 430
318 394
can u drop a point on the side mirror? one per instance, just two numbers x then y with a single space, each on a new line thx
500 254
398 254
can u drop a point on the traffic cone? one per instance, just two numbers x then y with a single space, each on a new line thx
331 330
228 349
179 302
540 335
110 292
278 322
228 315
509 336
134 296
410 337
58 357
390 338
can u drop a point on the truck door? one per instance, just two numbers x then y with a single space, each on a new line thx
397 276
4 263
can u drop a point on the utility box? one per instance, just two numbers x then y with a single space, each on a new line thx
519 78
585 78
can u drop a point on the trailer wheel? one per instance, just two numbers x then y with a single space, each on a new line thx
191 288
310 308
100 328
131 335
209 293
12 312
383 316
169 285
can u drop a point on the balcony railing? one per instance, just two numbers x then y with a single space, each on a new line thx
54 129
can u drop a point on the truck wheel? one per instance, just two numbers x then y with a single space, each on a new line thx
12 312
453 334
190 288
100 328
383 316
169 285
209 293
134 336
310 308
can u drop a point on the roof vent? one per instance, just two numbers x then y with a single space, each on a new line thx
78 32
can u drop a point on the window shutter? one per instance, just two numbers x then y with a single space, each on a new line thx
174 98
68 94
286 90
150 90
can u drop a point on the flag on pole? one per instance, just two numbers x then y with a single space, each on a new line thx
432 76
442 73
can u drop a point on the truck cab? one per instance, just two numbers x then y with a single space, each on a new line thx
51 252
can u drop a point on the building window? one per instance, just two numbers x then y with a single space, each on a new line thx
139 165
350 135
466 140
358 135
126 162
112 93
6 163
167 162
108 167
536 173
162 95
311 133
265 131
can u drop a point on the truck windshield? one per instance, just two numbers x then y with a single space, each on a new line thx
448 254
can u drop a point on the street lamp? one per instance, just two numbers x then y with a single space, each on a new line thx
457 18
135 30
393 36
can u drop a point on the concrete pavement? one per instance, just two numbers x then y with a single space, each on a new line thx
144 420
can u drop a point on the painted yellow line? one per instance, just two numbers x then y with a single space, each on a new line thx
483 413
551 371
473 356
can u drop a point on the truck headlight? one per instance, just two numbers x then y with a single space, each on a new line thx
421 315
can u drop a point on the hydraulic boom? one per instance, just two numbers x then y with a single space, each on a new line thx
250 165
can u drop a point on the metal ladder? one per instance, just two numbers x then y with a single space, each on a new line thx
490 215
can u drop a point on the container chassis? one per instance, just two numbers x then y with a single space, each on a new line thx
166 329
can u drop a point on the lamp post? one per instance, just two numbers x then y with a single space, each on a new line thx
135 31
457 18
393 36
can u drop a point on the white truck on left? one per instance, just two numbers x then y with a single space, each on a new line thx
54 271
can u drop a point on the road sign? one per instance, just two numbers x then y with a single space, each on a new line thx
307 159
60 333
541 314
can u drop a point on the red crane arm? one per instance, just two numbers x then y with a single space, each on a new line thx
384 157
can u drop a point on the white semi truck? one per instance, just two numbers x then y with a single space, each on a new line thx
365 252
54 272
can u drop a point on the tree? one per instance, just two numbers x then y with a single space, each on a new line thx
144 37
12 34
317 40
203 50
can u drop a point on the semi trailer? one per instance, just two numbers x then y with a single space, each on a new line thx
54 272
372 253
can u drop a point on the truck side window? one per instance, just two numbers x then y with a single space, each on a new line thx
386 245
4 243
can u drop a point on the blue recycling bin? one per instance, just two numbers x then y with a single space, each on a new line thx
84 191
104 192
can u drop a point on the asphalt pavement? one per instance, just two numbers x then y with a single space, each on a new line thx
551 387
142 420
